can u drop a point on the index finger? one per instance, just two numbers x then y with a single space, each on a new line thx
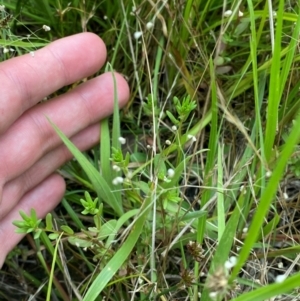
27 79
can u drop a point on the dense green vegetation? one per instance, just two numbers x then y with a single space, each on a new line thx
200 200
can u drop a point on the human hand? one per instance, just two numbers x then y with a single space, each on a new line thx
30 150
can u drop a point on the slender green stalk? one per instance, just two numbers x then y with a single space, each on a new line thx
274 90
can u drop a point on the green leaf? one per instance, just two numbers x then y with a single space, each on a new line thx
19 224
37 233
121 221
172 118
25 216
107 229
78 242
67 229
53 236
33 215
191 215
20 230
49 225
143 186
138 157
160 166
97 221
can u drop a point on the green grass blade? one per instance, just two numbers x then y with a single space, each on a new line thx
287 63
267 197
213 138
267 292
253 54
105 165
119 258
121 221
99 183
220 196
22 44
274 90
72 214
52 268
224 247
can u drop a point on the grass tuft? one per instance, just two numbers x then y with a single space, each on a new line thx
193 191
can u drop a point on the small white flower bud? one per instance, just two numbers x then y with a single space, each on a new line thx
171 173
140 280
137 35
129 175
280 278
117 180
116 168
233 260
191 137
168 142
228 13
213 295
241 13
174 128
46 28
227 265
122 140
149 25
230 263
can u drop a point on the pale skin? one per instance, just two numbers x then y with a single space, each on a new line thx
30 150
